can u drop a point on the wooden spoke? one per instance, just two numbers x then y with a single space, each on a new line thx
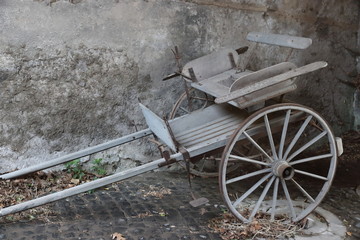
249 175
258 146
274 199
252 189
311 159
297 136
271 140
261 198
288 198
248 160
314 140
303 190
311 175
283 134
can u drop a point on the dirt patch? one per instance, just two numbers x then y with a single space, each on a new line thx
32 186
158 192
229 227
347 172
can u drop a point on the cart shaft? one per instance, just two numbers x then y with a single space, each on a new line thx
79 154
194 151
84 187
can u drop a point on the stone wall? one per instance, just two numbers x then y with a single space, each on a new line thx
72 72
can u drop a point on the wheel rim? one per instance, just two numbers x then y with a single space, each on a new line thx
294 134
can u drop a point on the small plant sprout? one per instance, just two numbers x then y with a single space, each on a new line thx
98 167
75 168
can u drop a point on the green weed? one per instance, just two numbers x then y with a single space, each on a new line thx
75 168
98 167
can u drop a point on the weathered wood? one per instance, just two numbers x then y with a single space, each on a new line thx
83 187
219 85
211 64
158 126
261 75
76 155
214 122
271 81
264 94
193 151
280 40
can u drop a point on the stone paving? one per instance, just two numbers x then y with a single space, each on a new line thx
128 208
125 210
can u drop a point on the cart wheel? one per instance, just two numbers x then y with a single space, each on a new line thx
199 100
300 166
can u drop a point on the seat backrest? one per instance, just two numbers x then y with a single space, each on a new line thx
211 64
280 40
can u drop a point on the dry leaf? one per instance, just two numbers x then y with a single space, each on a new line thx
157 192
117 236
202 211
75 181
32 186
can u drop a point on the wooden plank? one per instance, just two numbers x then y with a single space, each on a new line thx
200 128
219 85
271 81
214 89
158 126
202 117
212 64
209 130
260 96
280 40
222 132
261 75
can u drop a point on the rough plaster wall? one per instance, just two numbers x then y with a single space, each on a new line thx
71 72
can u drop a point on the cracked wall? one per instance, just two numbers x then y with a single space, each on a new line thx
72 72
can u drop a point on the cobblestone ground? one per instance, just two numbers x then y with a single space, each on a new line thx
130 209
345 203
126 209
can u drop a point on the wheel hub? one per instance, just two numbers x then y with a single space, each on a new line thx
283 170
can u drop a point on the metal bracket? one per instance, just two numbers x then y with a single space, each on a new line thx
185 154
192 74
244 61
168 162
196 202
232 60
164 154
171 133
242 50
186 157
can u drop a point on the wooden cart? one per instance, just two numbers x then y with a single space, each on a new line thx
271 152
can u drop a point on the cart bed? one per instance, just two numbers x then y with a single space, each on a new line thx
214 123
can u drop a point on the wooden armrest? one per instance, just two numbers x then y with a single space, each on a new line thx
262 74
271 81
